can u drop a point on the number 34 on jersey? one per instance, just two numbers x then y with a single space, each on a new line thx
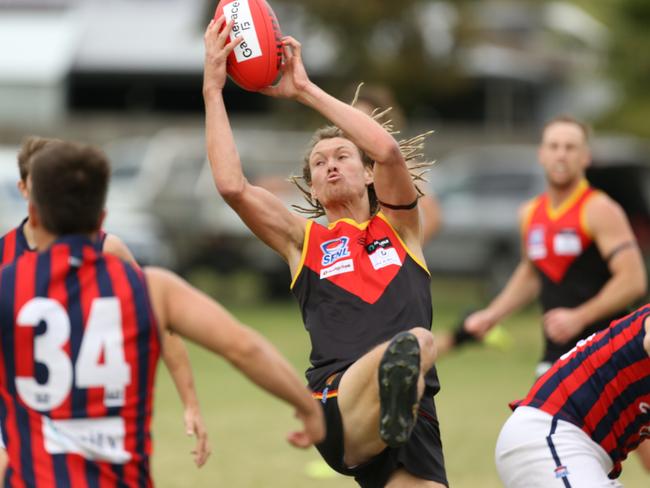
100 362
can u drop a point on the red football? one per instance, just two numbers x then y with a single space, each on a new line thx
255 63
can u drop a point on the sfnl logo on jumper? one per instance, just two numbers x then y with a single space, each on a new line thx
240 13
333 251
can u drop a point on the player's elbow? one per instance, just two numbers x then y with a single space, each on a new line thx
245 351
636 282
387 151
231 190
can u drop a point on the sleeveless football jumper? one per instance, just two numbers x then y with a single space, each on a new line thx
14 243
358 285
567 260
78 352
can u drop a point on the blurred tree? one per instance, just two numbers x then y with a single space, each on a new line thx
383 41
379 41
399 44
629 65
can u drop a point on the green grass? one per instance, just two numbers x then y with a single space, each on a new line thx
247 427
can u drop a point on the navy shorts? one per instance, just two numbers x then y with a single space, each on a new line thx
421 456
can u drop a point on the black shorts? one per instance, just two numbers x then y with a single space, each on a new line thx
421 456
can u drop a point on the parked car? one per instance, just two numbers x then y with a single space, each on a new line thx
167 178
131 200
480 190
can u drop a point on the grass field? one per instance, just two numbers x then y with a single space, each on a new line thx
248 428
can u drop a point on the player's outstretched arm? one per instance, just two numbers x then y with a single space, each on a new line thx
183 309
431 216
177 360
261 211
523 287
175 356
392 181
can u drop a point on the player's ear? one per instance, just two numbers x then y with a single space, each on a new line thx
22 188
586 158
368 174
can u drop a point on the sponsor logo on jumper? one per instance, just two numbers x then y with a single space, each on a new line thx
384 242
100 439
561 472
345 266
383 257
240 13
536 245
567 243
334 249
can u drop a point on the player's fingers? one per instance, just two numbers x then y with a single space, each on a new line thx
208 31
472 325
299 439
219 23
201 452
213 27
224 35
295 45
233 44
287 52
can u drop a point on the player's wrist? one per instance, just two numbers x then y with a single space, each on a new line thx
309 94
581 318
212 90
492 316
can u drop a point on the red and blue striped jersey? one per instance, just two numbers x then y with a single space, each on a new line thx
603 386
78 351
14 243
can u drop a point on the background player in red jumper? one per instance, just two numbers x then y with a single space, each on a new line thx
361 283
80 338
579 255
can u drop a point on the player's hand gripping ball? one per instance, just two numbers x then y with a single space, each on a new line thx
255 63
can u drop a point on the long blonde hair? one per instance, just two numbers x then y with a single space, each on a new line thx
411 150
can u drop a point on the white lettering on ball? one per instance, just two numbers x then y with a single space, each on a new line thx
240 13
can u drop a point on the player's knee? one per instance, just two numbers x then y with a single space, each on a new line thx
427 343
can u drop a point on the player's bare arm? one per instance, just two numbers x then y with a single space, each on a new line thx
174 354
522 288
260 210
392 181
616 243
181 308
431 216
